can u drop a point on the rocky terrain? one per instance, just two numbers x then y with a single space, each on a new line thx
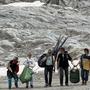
11 1
36 29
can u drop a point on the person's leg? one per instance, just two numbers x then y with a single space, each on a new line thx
15 79
82 76
61 76
46 76
86 76
66 76
27 83
9 82
50 75
31 82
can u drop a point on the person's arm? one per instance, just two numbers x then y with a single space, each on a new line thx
24 63
88 57
53 58
33 63
57 60
81 61
69 57
8 67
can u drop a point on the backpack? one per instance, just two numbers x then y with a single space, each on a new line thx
74 75
42 60
14 66
17 68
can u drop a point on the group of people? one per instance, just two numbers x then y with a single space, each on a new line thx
62 59
13 69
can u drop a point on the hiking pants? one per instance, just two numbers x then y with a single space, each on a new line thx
62 74
84 74
48 74
14 75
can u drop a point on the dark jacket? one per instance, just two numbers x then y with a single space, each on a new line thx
63 60
13 66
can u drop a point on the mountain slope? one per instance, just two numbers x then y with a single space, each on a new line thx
36 29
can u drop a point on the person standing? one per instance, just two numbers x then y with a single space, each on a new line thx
84 64
49 68
29 63
62 65
13 68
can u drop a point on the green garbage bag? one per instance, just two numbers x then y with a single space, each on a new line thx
74 75
26 75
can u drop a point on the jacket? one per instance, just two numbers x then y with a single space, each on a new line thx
63 60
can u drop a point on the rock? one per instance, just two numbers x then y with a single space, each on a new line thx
11 1
1 51
36 29
6 44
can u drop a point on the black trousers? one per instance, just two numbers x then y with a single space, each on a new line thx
62 71
48 74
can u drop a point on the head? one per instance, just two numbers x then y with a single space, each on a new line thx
15 59
86 51
49 51
62 50
29 55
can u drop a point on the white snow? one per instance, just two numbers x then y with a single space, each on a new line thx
3 70
26 4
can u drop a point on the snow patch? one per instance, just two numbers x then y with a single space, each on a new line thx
26 4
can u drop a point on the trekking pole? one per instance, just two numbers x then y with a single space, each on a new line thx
63 42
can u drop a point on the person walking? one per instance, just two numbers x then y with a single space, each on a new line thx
85 66
49 68
13 68
62 65
29 63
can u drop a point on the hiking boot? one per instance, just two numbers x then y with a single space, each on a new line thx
66 84
31 86
26 86
85 83
82 82
50 85
16 85
46 85
61 84
9 87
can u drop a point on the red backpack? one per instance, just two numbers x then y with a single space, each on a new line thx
17 66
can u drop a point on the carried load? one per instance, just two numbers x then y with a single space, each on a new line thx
26 74
86 64
74 75
42 60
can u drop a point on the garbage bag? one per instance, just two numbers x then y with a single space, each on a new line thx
26 75
74 75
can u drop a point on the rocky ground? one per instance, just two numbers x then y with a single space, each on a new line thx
39 85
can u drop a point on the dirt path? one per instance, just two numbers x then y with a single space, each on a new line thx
39 85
